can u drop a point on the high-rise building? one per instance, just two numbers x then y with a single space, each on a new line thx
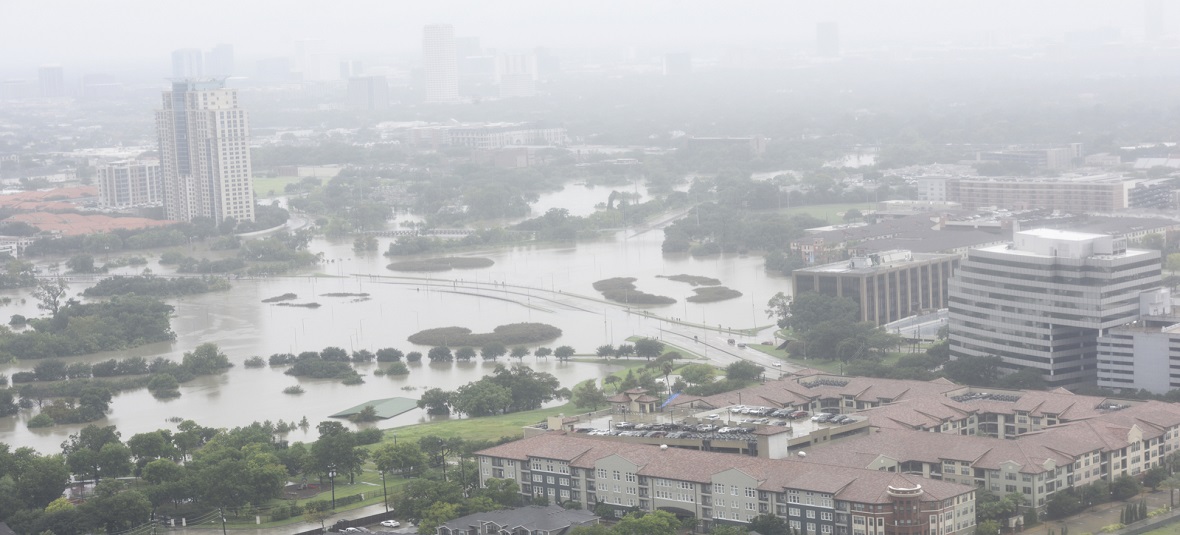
204 152
187 63
129 183
1042 301
50 79
1153 20
220 60
827 38
886 286
368 92
677 63
351 68
440 64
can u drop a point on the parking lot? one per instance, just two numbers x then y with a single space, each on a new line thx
737 423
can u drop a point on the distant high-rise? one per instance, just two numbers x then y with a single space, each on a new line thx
204 152
440 64
51 82
518 76
1153 19
220 60
129 183
351 68
187 63
677 63
368 92
827 37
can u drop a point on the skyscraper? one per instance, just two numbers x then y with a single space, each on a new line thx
204 152
187 63
220 60
827 37
440 64
50 80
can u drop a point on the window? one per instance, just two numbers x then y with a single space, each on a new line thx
751 493
794 511
810 514
616 475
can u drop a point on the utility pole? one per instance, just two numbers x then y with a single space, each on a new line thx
222 513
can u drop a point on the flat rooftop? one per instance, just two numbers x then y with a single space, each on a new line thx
845 266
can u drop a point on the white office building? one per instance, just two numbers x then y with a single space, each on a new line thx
204 152
1042 301
440 65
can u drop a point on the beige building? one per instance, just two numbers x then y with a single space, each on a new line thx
205 152
129 183
721 489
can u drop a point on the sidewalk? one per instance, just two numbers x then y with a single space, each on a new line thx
299 527
1094 519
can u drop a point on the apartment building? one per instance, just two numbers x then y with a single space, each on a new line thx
205 152
1042 301
1032 442
719 488
127 183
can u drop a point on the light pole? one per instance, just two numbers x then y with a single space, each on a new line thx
332 478
384 493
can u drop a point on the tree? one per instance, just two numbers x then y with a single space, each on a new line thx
624 350
768 524
318 516
743 371
435 401
779 307
414 356
563 353
1154 477
1173 262
852 215
440 354
206 359
605 350
465 353
404 458
389 354
653 523
1125 487
82 263
493 351
542 352
519 352
481 398
587 394
723 529
982 371
436 515
49 294
118 510
698 374
810 310
502 492
649 348
147 447
419 494
988 527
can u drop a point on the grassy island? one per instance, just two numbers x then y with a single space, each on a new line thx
445 263
694 280
622 290
713 293
512 334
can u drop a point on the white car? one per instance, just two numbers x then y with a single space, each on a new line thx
391 523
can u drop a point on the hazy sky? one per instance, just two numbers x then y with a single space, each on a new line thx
80 32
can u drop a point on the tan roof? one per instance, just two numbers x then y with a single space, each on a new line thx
846 483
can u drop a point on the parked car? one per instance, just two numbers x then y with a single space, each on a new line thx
391 523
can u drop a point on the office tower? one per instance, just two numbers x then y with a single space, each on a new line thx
440 64
187 63
220 60
1042 301
129 183
1153 20
827 36
351 68
50 79
273 69
677 64
517 73
368 92
204 152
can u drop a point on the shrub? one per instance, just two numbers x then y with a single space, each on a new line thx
41 420
512 334
255 362
354 379
398 368
622 290
293 390
281 359
368 436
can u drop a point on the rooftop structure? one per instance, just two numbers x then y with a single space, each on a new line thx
531 519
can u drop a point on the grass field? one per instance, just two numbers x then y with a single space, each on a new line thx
263 186
830 366
832 213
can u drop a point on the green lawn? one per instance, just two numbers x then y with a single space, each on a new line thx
832 213
263 186
827 365
482 428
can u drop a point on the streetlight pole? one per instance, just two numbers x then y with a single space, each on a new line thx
332 477
384 493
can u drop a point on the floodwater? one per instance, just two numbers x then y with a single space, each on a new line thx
533 283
